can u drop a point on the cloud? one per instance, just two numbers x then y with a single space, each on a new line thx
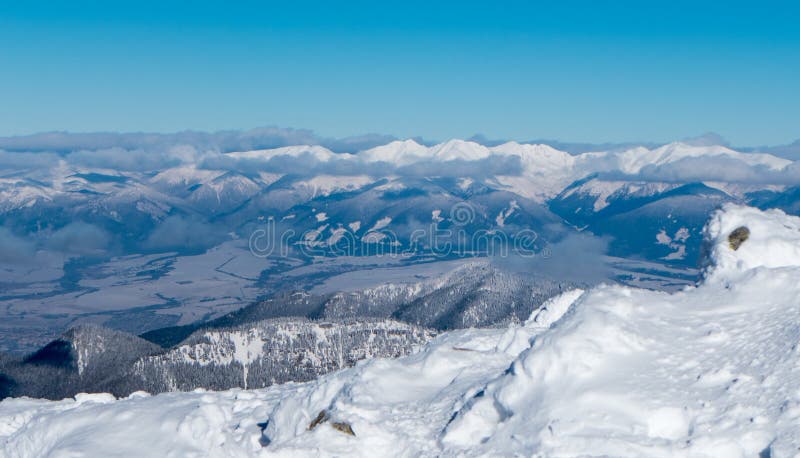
79 238
715 168
301 164
181 233
144 152
15 249
359 143
481 168
223 141
790 151
134 160
22 161
308 164
558 260
707 139
154 151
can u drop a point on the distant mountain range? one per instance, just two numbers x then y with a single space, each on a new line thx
324 197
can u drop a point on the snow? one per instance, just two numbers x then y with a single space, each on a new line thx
679 253
17 193
336 235
545 161
662 238
602 190
711 370
320 153
774 241
325 185
459 150
677 243
681 235
372 235
544 170
191 288
408 151
312 235
381 223
633 160
185 176
501 217
537 158
396 152
740 190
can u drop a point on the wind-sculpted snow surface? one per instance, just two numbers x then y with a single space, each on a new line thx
713 370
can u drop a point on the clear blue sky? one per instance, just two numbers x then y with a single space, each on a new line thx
576 71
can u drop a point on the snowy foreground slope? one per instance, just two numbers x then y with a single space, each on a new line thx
614 371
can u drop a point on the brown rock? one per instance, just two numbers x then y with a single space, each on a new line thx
737 237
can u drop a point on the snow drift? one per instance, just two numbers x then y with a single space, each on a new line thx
713 370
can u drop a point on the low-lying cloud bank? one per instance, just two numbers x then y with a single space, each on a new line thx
128 165
156 152
715 168
145 152
222 141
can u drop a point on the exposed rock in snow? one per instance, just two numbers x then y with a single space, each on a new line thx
773 241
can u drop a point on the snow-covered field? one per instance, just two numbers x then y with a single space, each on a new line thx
712 370
170 288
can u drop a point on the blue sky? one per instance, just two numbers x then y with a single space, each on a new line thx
575 71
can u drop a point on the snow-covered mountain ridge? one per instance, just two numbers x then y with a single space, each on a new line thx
254 354
712 370
185 169
70 221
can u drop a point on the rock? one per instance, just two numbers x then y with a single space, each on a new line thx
341 426
321 418
738 236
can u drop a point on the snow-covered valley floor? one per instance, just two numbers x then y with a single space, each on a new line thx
712 370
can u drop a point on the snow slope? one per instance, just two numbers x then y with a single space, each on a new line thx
713 370
319 153
633 160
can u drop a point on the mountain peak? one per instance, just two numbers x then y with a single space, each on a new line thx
455 149
398 151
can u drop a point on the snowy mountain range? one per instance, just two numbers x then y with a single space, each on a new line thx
318 193
293 336
255 355
181 235
711 370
